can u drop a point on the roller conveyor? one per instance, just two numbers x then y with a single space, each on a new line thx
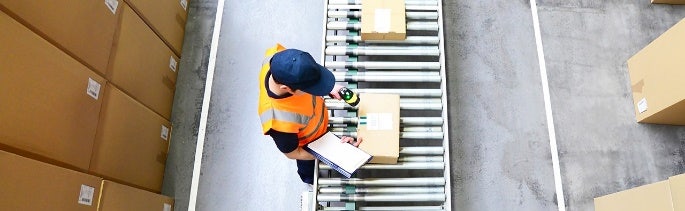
393 208
384 65
406 2
403 135
383 190
383 50
411 26
387 76
404 121
359 7
429 40
409 15
414 69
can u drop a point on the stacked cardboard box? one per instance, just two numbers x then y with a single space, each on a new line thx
82 28
131 142
89 86
116 196
142 65
166 17
667 195
32 185
50 102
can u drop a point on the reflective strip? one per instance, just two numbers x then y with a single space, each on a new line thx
267 60
318 124
285 116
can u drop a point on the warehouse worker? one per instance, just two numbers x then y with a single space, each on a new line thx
291 108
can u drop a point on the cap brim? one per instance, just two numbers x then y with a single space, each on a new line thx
325 84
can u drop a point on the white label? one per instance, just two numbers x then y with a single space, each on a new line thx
112 5
642 105
165 133
379 121
93 88
382 21
167 207
172 63
85 197
184 4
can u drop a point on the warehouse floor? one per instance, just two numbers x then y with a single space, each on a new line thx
500 149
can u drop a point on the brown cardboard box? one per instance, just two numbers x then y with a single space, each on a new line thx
49 103
115 197
656 76
668 1
677 184
379 126
652 197
28 184
142 65
166 17
132 142
383 20
667 195
82 28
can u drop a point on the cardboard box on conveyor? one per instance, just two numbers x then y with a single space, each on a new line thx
379 126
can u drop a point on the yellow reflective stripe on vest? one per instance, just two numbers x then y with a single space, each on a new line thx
318 124
285 116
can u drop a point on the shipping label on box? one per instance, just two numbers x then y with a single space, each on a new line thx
379 126
383 20
29 184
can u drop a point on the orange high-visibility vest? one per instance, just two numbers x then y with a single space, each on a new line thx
303 114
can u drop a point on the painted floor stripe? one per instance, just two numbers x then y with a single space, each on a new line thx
199 149
561 204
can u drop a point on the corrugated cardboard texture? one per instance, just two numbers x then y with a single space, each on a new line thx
652 197
678 192
656 75
45 111
129 146
117 197
83 28
140 65
381 140
31 185
372 20
166 17
668 1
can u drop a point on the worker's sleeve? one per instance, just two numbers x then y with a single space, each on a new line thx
286 142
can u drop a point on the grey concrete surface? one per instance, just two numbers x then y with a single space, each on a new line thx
500 147
242 169
188 101
601 148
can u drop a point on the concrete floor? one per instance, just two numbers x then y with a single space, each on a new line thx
500 145
601 148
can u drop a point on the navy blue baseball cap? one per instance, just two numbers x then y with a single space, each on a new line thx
298 70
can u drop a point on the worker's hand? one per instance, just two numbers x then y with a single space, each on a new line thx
334 92
346 139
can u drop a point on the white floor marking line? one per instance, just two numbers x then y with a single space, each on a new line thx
192 201
561 204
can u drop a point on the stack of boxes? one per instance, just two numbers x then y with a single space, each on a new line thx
656 79
87 90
